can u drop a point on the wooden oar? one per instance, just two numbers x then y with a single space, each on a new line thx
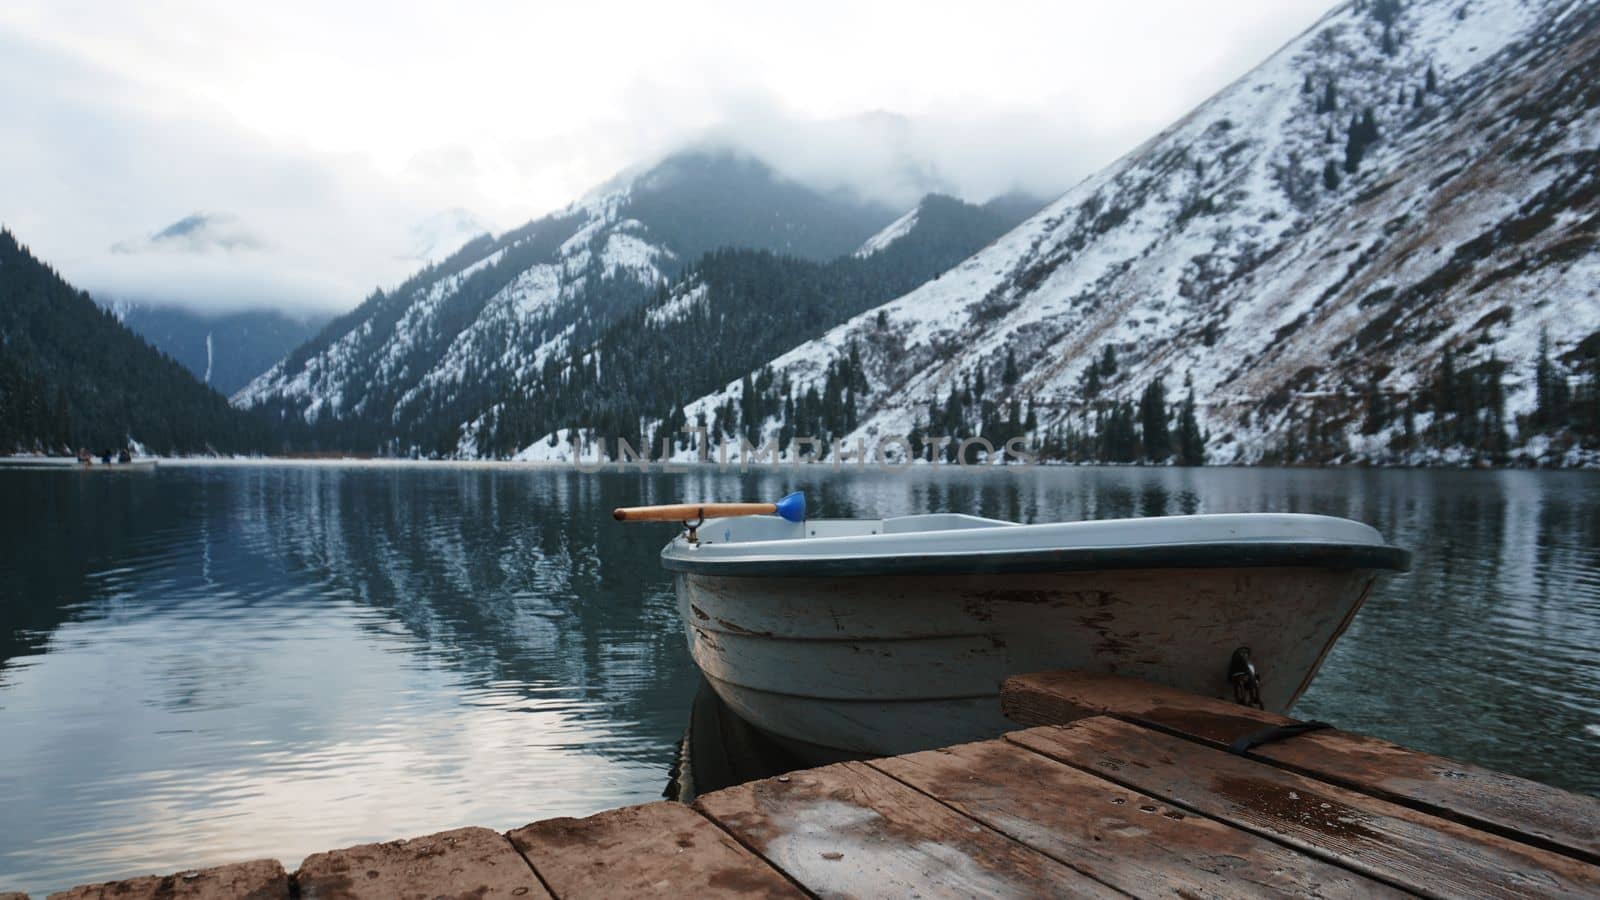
792 508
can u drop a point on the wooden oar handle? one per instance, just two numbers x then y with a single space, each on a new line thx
688 512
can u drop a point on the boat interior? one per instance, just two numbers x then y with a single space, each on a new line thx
753 529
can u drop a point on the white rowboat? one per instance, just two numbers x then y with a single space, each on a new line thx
856 638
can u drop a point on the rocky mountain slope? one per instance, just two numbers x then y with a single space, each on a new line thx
410 366
733 309
1382 244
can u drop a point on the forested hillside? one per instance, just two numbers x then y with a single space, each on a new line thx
72 376
226 350
406 369
733 310
467 356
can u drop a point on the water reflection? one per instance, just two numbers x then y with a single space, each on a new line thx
218 663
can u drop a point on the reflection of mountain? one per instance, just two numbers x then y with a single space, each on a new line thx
516 582
508 576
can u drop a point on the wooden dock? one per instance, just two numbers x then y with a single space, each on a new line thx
1121 788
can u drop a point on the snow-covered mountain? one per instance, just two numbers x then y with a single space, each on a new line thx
436 237
410 366
732 310
200 232
1352 252
892 232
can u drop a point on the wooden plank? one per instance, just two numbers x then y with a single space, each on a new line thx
1515 807
261 879
1411 849
848 830
660 849
466 862
1122 837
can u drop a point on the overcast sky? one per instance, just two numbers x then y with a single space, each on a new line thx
323 137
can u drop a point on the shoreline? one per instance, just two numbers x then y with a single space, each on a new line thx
674 467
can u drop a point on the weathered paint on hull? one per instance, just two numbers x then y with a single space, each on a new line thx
867 666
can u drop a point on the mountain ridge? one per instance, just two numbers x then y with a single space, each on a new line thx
1278 245
734 307
411 367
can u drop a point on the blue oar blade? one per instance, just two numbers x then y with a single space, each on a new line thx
793 507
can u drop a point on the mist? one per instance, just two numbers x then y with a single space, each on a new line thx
336 151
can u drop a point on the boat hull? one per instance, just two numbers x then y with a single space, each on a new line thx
851 667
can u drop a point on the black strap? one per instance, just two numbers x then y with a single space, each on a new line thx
1276 733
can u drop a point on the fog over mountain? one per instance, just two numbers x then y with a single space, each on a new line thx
331 137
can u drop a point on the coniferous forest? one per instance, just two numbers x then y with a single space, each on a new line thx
753 305
71 376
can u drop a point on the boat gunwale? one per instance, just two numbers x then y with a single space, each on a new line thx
1249 554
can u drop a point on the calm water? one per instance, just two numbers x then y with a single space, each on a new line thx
216 663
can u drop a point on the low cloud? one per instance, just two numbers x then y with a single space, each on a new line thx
183 207
897 160
197 233
298 155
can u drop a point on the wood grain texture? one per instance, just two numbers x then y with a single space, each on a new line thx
465 863
1122 837
261 879
1413 850
659 849
848 830
1524 810
689 512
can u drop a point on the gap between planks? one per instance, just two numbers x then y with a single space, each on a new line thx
1515 808
1410 849
1121 837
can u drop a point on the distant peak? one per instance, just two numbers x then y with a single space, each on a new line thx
198 232
443 233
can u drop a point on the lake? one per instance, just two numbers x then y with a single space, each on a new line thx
207 664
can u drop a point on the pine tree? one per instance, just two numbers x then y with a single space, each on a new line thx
916 439
1330 99
1191 443
1495 441
1153 422
1009 376
1363 133
1552 397
1377 407
1091 381
1108 361
1330 176
1431 81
